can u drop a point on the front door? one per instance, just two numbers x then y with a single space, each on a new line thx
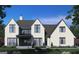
24 42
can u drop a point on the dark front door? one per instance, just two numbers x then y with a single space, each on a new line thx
24 42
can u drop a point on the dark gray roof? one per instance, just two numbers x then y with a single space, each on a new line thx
25 24
49 29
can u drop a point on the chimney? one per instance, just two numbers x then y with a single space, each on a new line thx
21 18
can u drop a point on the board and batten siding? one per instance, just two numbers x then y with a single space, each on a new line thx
69 37
42 31
11 35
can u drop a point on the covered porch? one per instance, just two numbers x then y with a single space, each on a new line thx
24 41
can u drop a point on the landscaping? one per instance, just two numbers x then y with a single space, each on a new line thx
14 50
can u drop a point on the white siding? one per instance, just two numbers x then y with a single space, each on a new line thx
54 38
48 42
11 35
68 35
38 35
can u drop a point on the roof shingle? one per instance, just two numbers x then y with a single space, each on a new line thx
49 29
25 24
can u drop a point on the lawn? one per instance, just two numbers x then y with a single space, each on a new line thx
7 48
41 50
60 50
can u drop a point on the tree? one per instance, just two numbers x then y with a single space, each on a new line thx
75 30
2 12
74 16
2 16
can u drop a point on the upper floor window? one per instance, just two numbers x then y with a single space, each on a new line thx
26 31
62 29
12 28
37 28
62 40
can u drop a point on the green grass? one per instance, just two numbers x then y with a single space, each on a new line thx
7 48
41 51
60 50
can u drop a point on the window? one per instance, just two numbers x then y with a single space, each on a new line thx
11 41
37 28
26 31
12 28
37 41
62 29
62 40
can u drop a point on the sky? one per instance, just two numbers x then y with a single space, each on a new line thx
47 14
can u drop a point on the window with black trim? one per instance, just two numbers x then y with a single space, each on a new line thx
62 29
37 28
11 41
26 31
62 40
12 28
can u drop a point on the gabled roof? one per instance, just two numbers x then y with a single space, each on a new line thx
10 21
49 29
25 24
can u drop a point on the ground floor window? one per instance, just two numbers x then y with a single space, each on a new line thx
62 40
37 42
11 41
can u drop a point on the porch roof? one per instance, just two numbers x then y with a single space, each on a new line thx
24 36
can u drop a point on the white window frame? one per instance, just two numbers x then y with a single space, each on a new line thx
37 28
26 31
38 41
11 41
11 29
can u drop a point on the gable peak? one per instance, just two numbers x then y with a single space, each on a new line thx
62 20
12 19
37 19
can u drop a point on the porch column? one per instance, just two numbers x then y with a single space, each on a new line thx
17 41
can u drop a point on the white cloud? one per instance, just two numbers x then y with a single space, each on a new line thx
54 20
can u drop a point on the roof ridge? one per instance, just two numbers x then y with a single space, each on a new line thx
49 24
26 20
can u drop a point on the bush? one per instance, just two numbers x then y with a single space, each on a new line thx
54 51
1 43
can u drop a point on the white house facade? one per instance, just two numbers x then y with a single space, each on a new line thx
62 36
10 35
33 33
40 36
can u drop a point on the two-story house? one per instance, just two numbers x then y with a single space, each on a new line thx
61 36
29 33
